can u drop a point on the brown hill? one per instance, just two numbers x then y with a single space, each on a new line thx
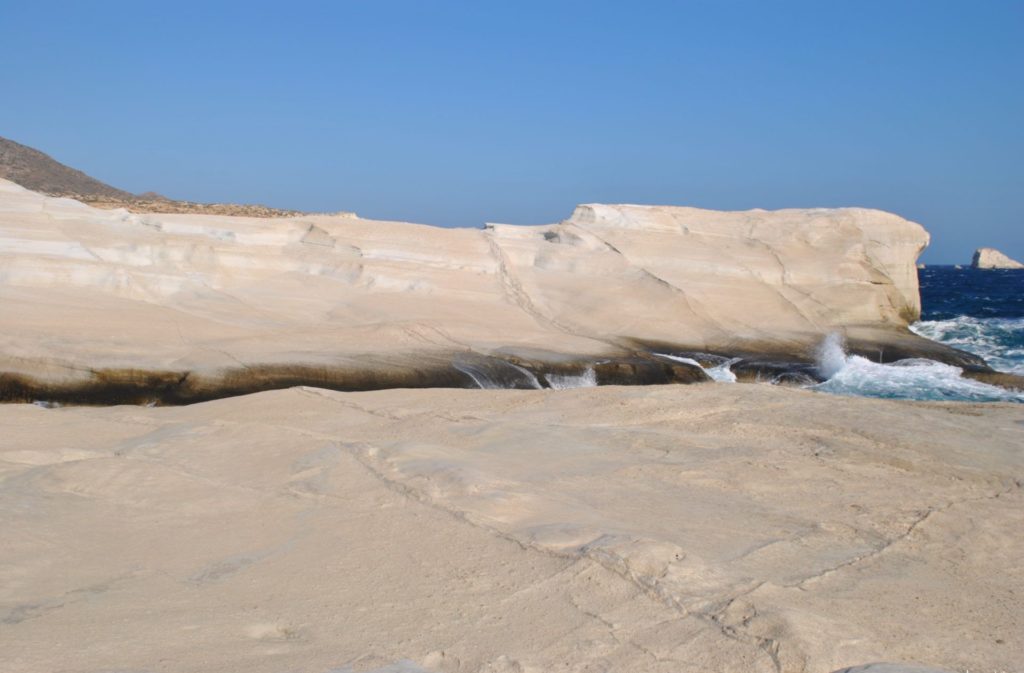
40 172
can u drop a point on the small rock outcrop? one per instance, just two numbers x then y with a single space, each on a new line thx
990 258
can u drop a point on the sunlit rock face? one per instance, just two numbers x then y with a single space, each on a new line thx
654 529
712 276
990 258
194 297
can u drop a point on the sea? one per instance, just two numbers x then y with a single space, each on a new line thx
975 310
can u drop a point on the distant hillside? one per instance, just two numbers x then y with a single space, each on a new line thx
40 172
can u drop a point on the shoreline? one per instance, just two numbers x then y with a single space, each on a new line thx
654 363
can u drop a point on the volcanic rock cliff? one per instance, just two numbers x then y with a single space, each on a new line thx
107 305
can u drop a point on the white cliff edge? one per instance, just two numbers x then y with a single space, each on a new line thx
85 289
990 258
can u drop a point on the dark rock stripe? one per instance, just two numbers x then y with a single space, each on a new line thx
132 386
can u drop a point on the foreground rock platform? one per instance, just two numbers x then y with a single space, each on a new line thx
737 529
107 306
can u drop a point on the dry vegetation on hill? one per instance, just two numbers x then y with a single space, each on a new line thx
40 172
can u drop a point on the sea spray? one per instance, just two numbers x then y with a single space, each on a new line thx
479 377
1000 341
498 374
588 379
720 373
831 355
723 373
531 379
914 379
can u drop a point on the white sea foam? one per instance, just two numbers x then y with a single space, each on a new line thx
831 356
480 377
485 378
916 378
720 373
527 374
588 379
1000 341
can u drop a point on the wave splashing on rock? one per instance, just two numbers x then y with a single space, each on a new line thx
720 373
912 379
588 379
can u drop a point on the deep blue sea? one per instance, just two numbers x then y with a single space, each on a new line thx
980 311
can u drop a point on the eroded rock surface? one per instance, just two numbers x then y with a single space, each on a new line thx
98 300
742 529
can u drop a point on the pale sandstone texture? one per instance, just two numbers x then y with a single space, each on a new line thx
222 301
657 529
990 258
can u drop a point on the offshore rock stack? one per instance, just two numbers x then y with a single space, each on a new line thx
990 258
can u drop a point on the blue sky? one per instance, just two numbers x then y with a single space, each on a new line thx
456 113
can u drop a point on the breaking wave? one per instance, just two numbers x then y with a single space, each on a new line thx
1000 341
912 379
588 379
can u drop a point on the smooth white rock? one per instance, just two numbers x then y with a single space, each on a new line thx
990 258
88 288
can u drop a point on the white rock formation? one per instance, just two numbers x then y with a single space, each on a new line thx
749 529
990 258
655 529
83 288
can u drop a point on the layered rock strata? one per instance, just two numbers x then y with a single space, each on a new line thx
112 306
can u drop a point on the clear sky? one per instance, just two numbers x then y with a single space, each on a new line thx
457 113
